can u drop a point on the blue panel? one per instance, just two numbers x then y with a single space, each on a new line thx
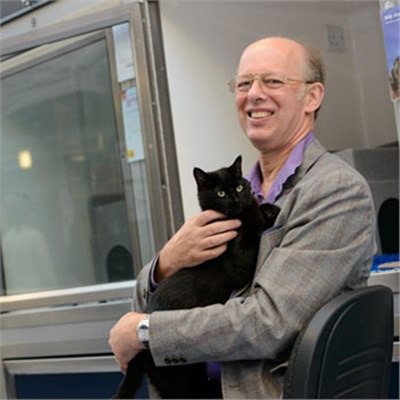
71 386
394 382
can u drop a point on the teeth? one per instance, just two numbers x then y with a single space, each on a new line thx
260 114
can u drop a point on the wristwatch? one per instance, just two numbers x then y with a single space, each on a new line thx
142 332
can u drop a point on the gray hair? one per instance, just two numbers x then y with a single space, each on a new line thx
316 71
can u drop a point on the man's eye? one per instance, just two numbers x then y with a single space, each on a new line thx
243 84
221 193
239 188
273 82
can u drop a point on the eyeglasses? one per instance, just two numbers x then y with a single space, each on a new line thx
243 83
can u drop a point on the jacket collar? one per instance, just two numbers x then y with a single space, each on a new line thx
312 154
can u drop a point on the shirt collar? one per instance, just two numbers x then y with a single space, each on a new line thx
288 169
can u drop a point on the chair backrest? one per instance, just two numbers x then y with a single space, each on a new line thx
346 349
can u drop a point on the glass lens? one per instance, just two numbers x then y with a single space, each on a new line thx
272 82
243 83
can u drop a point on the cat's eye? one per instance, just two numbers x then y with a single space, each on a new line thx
221 193
239 188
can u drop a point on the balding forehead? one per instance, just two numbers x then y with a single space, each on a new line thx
276 41
288 51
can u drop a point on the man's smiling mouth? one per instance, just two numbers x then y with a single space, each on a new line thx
259 114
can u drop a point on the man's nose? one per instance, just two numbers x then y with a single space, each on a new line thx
256 89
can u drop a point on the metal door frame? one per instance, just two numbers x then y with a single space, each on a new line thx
96 307
161 164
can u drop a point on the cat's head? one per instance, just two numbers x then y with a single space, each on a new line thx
224 190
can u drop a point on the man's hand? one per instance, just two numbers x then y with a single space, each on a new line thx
201 238
123 340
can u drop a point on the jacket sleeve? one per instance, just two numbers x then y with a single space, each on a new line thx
143 289
322 244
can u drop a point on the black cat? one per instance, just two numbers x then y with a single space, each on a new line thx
214 281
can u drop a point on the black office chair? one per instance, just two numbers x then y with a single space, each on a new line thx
345 351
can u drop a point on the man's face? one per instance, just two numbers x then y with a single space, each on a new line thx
273 118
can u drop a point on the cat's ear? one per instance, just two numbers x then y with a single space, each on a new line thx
200 176
236 167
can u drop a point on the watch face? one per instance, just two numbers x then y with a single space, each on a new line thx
143 332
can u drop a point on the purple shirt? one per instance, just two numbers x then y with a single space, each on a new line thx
255 178
288 169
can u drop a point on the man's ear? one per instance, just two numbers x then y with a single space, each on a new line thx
315 95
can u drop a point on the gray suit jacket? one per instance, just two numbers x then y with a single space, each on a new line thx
321 244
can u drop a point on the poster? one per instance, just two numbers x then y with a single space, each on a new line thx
390 18
132 128
123 52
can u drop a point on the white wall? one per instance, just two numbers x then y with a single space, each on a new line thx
203 41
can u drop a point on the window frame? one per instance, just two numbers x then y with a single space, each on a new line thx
161 162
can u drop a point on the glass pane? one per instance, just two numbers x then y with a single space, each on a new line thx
63 197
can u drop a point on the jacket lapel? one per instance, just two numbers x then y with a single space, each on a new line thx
272 237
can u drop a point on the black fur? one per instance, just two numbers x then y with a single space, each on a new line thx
226 191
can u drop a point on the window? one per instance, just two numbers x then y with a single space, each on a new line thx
75 198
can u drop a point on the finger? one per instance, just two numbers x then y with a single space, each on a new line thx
219 227
208 216
123 368
221 239
214 252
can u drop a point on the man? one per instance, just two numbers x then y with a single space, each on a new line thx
322 242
